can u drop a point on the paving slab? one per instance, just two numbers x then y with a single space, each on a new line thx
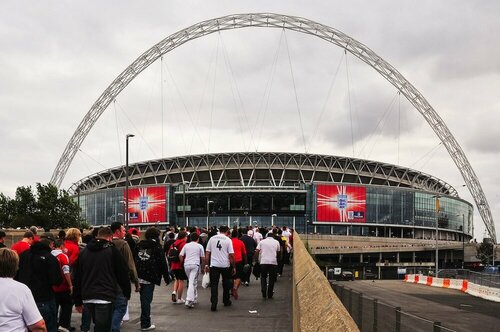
249 313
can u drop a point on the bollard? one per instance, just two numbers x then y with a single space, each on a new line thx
360 312
398 319
375 314
437 326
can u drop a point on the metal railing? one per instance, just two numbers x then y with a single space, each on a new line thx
372 315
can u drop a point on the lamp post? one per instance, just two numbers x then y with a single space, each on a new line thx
126 178
208 211
438 207
184 202
272 218
463 240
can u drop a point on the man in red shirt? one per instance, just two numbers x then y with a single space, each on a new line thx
240 259
65 289
24 244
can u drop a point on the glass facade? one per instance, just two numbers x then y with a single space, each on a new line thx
389 211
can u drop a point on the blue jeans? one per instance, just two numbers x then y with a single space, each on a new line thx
101 316
86 320
146 293
121 303
48 310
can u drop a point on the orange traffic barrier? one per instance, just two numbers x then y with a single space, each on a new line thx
465 286
446 283
429 281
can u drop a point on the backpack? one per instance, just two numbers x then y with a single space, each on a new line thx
173 253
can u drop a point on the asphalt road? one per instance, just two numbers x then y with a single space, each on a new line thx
454 309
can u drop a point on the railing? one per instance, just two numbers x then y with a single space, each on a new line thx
371 315
478 278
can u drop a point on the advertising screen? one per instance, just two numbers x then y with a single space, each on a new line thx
341 203
146 205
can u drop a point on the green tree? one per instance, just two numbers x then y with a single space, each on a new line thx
6 210
56 209
485 252
24 207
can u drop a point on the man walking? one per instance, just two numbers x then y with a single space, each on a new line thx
219 260
151 267
39 270
250 248
191 256
2 238
267 252
99 270
64 290
25 243
121 301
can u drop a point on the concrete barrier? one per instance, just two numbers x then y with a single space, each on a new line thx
315 305
487 293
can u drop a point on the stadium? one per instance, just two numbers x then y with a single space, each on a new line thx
355 212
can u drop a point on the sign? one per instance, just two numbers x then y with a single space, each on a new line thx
337 270
147 205
340 203
401 270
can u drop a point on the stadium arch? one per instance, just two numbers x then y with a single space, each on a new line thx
298 24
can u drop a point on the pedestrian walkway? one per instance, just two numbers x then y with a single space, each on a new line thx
249 313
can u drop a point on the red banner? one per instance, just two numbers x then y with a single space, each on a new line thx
146 205
341 203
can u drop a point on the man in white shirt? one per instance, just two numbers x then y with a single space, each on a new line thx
267 253
257 236
219 260
17 305
191 256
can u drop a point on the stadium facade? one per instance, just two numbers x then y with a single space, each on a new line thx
337 195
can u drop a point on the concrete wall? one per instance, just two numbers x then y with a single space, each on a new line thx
315 305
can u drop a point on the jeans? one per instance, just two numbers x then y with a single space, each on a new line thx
101 314
86 320
63 301
246 275
271 271
192 272
48 311
146 295
227 284
120 308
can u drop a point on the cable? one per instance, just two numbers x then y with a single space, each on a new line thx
323 108
349 100
117 132
296 96
162 108
213 96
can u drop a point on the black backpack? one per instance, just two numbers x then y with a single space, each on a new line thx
173 253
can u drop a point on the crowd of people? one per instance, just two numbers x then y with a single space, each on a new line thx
42 277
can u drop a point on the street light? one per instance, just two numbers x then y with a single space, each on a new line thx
208 211
438 207
463 235
126 178
272 218
184 183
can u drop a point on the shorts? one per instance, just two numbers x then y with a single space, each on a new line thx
239 271
180 274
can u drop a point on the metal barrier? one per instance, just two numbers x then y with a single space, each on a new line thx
371 315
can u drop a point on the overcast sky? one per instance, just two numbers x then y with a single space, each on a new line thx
249 89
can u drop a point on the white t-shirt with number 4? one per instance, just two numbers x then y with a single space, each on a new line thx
220 246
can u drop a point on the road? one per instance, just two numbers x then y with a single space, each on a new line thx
454 309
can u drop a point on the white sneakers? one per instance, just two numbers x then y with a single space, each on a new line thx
151 327
180 301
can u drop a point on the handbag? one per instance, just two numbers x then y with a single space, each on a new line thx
205 281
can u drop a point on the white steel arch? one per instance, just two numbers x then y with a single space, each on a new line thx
298 24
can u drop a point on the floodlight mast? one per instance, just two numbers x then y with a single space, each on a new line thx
298 24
